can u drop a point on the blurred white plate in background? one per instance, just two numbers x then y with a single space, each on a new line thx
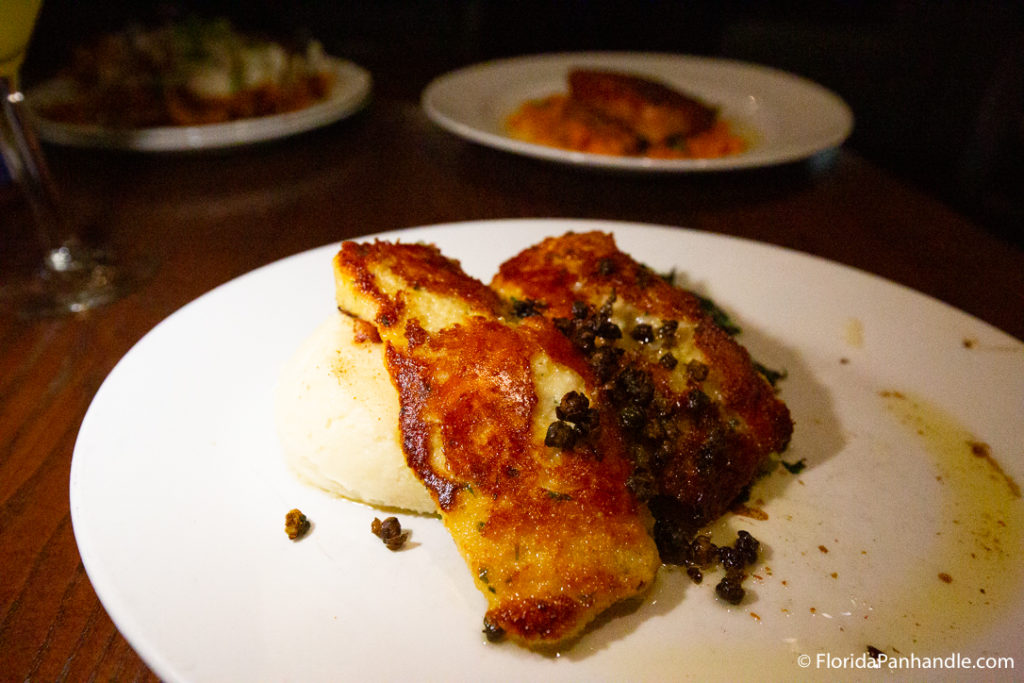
785 116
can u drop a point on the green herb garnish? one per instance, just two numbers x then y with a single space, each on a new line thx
795 467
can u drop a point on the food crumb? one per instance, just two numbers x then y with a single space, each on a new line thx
296 524
751 512
390 532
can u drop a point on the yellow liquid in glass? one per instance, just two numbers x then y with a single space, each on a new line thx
17 18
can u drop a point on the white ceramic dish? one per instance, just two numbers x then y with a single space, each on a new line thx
787 117
350 93
178 493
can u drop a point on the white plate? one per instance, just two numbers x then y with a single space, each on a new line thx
351 91
787 117
178 492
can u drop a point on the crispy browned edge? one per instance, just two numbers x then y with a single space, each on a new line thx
560 270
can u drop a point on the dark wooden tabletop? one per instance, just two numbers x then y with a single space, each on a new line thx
206 218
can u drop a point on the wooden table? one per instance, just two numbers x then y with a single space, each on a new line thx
207 218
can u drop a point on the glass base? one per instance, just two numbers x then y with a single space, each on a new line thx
73 279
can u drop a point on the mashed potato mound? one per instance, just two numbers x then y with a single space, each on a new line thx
337 419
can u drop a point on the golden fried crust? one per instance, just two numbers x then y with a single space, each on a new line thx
552 536
655 112
712 420
415 266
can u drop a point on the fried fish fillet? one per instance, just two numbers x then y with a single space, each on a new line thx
551 533
652 110
699 417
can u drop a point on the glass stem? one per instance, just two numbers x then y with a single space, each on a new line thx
24 155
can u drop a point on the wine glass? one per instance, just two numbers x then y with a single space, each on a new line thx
73 276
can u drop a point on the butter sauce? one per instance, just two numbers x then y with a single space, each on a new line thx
905 542
977 549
